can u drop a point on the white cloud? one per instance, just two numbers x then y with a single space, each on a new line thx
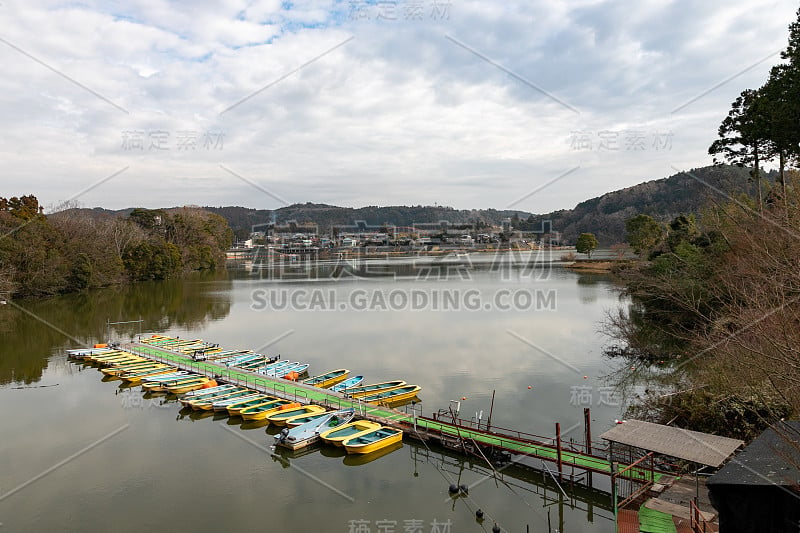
399 114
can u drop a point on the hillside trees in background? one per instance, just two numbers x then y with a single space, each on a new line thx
77 249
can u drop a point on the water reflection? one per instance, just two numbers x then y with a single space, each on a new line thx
33 330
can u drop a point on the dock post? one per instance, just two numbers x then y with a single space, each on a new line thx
587 426
558 450
491 409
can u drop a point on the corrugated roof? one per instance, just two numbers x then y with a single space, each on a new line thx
702 448
772 459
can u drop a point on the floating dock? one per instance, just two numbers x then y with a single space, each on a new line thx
448 430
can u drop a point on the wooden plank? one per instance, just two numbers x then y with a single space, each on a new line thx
674 509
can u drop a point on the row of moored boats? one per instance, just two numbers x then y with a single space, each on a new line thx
303 425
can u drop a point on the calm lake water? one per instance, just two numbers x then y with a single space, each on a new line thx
78 453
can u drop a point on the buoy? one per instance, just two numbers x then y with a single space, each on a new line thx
479 513
495 528
529 387
453 488
463 397
464 489
585 377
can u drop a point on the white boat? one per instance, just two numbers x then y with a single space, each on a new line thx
308 433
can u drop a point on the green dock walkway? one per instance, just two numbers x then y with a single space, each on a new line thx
422 427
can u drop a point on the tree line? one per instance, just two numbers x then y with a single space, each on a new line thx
764 124
713 327
75 249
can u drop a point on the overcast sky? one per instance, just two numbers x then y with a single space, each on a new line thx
535 105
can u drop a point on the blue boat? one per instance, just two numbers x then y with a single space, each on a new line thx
346 384
308 433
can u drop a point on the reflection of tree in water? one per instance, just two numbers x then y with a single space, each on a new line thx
588 287
28 342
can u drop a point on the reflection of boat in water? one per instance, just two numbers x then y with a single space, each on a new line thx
362 459
253 424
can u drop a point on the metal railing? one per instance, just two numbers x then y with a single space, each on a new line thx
696 520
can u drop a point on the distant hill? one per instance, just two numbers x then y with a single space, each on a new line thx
605 216
242 219
663 199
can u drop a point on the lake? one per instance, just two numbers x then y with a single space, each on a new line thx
80 453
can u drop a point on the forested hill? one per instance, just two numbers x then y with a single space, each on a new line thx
604 216
242 219
663 199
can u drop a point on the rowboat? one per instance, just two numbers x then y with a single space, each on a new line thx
148 374
364 390
125 361
190 385
207 403
116 355
348 383
172 376
302 419
222 405
329 379
84 352
127 367
162 385
237 408
392 395
274 367
279 418
247 358
296 367
204 394
348 431
261 412
373 440
308 433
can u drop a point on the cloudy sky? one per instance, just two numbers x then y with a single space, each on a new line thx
535 105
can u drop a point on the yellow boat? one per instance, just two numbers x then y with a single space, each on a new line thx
279 418
364 390
329 379
237 408
121 360
127 367
354 429
188 386
392 396
144 374
374 440
160 386
116 354
261 412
